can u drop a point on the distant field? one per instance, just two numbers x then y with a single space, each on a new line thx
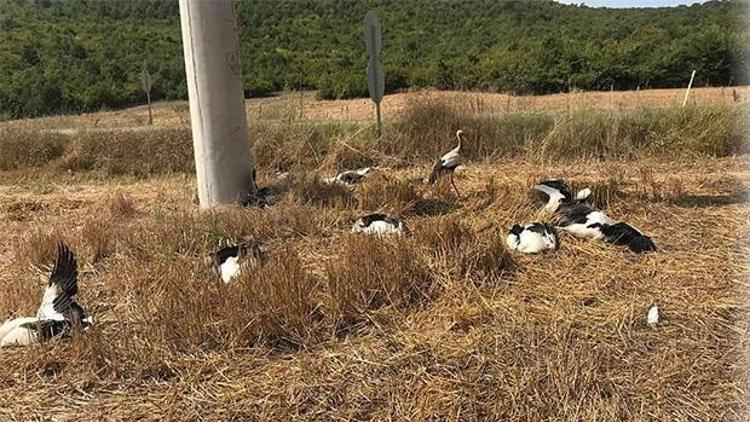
303 106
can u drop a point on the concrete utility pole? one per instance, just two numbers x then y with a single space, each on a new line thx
221 141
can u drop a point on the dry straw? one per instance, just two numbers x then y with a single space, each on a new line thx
442 324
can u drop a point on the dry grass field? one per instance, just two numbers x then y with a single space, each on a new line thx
443 324
303 107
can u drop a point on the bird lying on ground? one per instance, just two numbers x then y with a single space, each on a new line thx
380 224
349 177
228 261
532 238
585 220
58 312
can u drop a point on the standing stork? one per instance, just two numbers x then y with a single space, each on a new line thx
448 162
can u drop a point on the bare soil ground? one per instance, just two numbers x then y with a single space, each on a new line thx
560 336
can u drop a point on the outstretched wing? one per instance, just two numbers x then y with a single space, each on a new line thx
61 288
558 185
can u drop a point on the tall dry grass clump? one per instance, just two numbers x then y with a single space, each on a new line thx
121 205
616 135
427 126
294 146
604 192
37 247
649 188
424 129
20 149
272 305
384 192
371 273
285 220
277 300
458 250
422 132
310 189
135 153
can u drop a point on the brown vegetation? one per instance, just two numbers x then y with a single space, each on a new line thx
293 107
442 324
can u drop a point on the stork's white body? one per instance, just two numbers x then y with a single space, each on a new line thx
381 227
379 224
583 194
584 229
230 269
452 158
531 242
526 242
13 334
448 163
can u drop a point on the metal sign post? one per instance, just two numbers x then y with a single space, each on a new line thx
146 83
375 74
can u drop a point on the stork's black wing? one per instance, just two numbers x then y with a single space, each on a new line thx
572 213
437 169
371 218
62 286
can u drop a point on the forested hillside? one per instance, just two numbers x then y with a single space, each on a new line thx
60 56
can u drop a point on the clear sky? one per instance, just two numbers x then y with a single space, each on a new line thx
631 3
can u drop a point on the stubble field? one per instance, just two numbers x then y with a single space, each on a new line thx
442 324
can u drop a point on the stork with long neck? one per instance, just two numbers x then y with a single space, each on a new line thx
448 162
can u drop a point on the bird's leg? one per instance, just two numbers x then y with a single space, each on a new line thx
454 185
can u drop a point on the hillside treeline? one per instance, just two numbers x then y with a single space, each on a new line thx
60 56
